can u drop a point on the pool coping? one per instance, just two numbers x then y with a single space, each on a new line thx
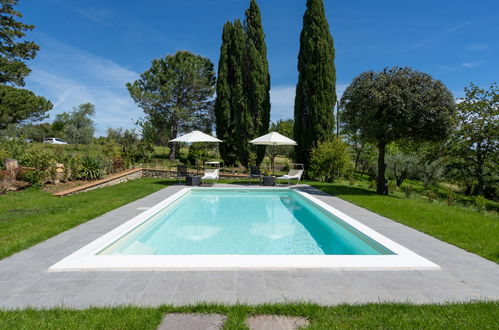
85 259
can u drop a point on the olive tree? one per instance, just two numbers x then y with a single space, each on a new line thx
395 104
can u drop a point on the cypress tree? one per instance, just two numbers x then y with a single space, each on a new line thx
242 107
223 111
257 75
244 125
316 89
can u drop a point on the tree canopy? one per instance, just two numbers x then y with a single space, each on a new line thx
257 75
13 52
316 89
18 105
242 107
176 93
474 146
77 125
395 104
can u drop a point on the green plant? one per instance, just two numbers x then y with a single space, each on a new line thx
33 176
330 160
392 187
479 203
91 169
351 180
408 190
451 198
430 195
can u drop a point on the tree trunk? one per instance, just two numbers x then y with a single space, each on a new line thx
357 157
173 149
381 187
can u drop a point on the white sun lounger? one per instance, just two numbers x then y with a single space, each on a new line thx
292 174
211 174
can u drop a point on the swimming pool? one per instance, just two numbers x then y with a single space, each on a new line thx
209 228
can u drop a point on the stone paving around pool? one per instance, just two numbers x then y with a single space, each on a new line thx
25 281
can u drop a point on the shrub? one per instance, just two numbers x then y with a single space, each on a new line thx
33 176
91 169
72 167
408 190
430 195
330 160
480 203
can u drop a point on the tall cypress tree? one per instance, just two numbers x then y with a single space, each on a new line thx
239 102
224 118
242 108
257 75
316 89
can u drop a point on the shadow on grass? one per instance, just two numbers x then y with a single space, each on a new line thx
166 183
341 190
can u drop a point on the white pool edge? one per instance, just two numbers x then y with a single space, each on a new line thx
85 259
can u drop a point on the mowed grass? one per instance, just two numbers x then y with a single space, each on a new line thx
477 315
464 227
31 216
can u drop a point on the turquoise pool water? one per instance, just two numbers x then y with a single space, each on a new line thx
244 222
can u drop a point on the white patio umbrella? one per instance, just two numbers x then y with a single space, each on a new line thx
196 136
273 139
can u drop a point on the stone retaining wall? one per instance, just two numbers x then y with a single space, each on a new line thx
132 175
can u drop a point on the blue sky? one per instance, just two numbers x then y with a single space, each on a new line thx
90 49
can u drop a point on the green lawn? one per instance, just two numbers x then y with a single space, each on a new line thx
31 216
464 227
478 315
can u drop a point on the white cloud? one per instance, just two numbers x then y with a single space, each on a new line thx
477 47
69 76
469 65
438 36
282 99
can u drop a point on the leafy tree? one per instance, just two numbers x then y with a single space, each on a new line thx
257 87
474 146
77 125
396 104
431 171
330 160
316 89
17 105
402 165
153 132
14 50
284 127
175 93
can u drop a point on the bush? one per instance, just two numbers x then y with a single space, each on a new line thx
35 177
408 190
330 160
91 169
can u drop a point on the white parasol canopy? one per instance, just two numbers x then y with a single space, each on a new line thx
196 136
273 139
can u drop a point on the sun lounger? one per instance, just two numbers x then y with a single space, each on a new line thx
211 174
292 174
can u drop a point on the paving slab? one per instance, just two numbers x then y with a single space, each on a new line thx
25 280
275 322
175 321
